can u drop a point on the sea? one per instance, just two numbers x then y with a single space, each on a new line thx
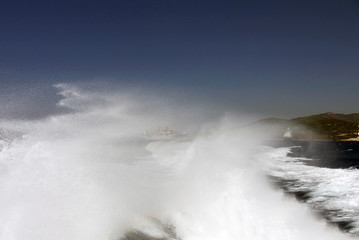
321 174
90 173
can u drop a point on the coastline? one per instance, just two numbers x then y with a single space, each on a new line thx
314 140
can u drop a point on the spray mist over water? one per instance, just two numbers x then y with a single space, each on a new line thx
90 174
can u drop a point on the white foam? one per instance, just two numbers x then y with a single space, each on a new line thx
329 189
88 175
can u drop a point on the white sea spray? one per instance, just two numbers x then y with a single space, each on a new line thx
90 174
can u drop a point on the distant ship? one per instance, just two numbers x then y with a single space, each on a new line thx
288 134
164 134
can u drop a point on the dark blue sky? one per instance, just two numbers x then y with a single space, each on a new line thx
284 58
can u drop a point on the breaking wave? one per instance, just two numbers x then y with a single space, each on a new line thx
333 193
90 174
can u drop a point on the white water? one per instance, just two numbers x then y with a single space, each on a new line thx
332 191
89 175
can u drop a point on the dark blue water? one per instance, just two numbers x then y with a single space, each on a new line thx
322 174
329 154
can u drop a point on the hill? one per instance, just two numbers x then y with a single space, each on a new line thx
325 126
332 126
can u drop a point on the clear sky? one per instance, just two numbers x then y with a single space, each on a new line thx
279 58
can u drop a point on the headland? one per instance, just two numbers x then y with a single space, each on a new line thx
321 127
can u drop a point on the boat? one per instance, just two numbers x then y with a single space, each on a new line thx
288 134
163 133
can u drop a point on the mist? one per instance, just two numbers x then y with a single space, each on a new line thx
89 173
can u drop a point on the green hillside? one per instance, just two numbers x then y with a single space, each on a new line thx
331 126
326 126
